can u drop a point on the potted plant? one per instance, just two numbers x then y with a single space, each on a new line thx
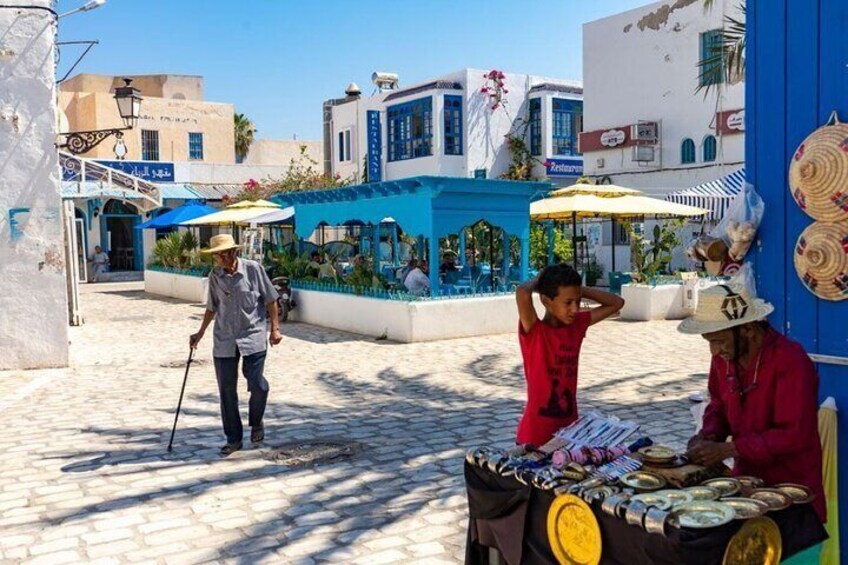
646 298
594 272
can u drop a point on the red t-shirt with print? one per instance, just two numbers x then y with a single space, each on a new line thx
550 369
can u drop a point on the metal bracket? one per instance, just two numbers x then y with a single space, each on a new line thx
829 359
79 142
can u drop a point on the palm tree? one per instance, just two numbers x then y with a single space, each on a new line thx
244 132
725 63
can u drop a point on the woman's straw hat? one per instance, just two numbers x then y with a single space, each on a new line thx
219 243
821 259
722 307
818 175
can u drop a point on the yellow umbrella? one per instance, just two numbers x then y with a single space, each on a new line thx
827 433
596 189
241 212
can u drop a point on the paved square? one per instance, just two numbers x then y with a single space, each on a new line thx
86 476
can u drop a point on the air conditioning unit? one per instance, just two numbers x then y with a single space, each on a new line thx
645 132
643 153
599 162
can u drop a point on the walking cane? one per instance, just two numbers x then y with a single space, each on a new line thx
180 403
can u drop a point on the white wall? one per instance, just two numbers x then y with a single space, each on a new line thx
33 304
642 65
226 173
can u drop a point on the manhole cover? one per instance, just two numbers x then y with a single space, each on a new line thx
308 453
181 364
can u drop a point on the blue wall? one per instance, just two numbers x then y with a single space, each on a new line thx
796 76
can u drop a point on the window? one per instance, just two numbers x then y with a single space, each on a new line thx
149 145
568 123
536 126
709 148
687 151
453 125
410 129
195 146
711 71
344 146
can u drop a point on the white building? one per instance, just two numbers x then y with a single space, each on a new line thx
646 125
447 126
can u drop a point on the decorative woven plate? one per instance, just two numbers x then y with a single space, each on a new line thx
799 494
573 532
757 541
775 498
818 175
746 508
821 259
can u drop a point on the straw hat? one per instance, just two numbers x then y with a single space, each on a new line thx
722 307
818 175
222 242
821 260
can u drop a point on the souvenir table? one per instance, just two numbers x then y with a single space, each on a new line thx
513 518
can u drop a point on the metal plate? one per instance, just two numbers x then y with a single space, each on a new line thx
657 454
725 487
676 496
750 482
573 532
702 493
700 514
776 499
757 541
799 494
746 508
643 481
654 499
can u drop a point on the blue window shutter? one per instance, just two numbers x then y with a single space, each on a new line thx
567 123
536 127
453 125
687 151
410 129
709 148
711 72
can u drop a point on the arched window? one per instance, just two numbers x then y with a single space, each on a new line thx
709 148
687 151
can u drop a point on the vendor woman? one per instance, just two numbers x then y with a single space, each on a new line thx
763 409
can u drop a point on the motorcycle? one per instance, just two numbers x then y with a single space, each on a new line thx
285 299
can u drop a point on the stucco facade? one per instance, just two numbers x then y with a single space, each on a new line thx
173 108
483 144
282 151
33 304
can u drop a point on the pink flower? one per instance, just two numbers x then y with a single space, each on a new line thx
485 89
337 176
547 164
501 75
506 91
495 106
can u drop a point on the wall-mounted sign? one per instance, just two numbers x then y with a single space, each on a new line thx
151 171
564 167
375 146
613 137
603 139
730 121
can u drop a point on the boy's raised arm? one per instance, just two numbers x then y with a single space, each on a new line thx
609 304
526 310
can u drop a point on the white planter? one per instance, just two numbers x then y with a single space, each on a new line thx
184 287
662 302
407 322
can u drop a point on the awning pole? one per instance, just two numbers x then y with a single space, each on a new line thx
613 243
574 238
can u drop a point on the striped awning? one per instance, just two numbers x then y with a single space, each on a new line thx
714 196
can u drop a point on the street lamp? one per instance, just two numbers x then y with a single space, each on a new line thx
87 7
128 99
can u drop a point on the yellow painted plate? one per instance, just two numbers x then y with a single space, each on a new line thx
573 532
757 541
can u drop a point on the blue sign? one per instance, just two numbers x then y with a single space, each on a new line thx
564 167
151 171
375 147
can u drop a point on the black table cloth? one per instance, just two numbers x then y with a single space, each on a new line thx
512 517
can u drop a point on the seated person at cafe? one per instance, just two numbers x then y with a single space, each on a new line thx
417 282
448 269
314 263
550 348
408 268
763 409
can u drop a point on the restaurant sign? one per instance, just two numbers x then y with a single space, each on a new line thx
564 167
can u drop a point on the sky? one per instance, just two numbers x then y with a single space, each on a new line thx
278 60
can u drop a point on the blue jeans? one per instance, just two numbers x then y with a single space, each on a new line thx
226 370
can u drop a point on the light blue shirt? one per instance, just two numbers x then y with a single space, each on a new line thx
239 301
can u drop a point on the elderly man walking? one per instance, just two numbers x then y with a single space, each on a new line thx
240 292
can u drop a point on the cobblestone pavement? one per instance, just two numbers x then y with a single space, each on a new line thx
86 476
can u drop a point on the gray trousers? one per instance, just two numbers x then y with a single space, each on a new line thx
226 370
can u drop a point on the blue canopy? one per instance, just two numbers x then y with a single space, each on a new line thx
172 219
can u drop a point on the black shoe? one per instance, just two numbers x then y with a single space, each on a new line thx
257 433
230 448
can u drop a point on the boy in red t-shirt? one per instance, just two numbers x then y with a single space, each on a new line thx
551 348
